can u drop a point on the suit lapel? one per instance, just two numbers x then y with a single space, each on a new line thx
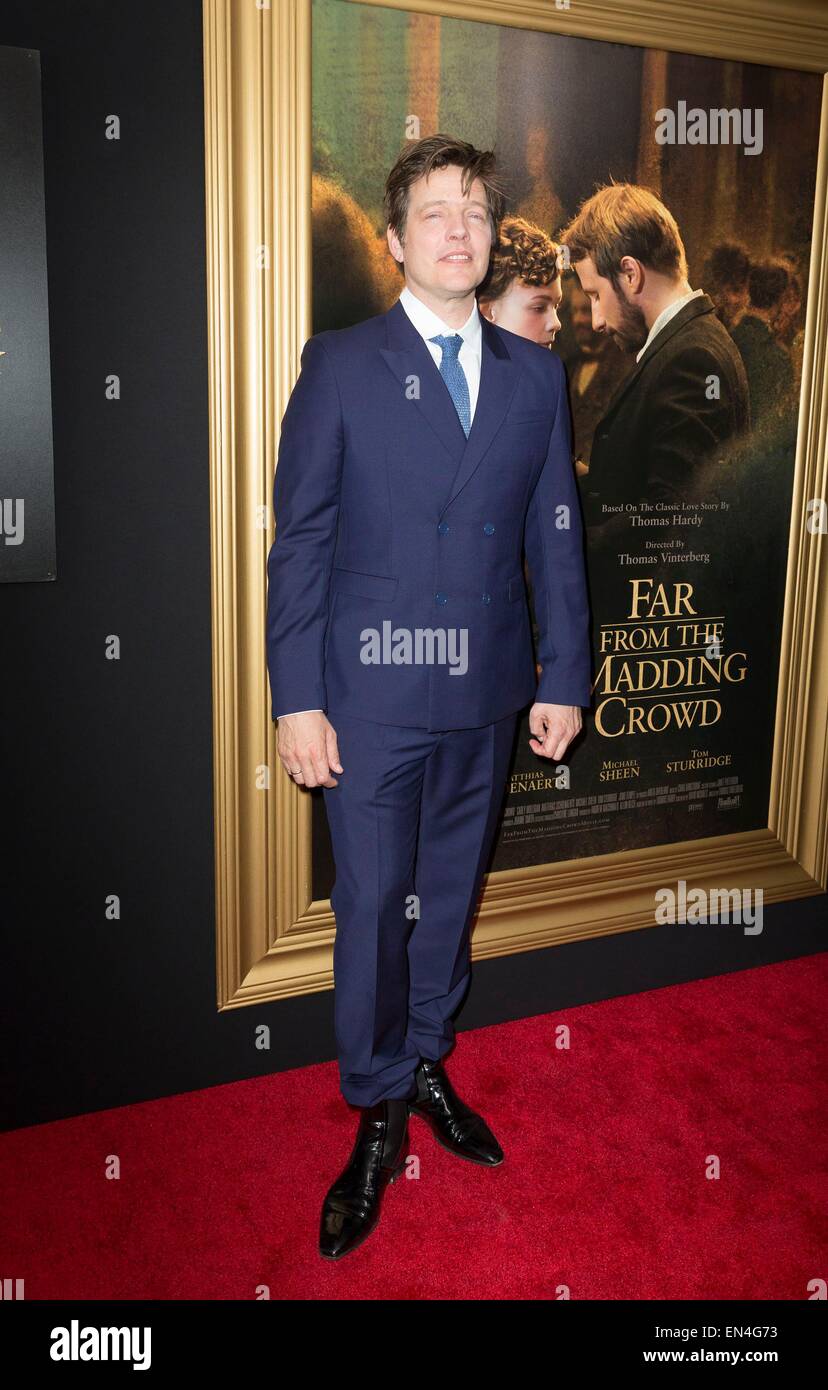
408 358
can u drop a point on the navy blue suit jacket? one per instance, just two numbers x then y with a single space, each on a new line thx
386 513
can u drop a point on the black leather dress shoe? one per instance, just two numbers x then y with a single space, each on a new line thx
351 1208
458 1128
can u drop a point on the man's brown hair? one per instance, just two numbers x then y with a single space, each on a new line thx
522 252
624 219
419 157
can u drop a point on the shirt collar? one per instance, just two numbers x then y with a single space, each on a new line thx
428 324
664 318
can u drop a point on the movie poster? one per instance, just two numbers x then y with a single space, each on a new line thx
687 571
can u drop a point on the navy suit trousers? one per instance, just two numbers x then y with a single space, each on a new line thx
414 813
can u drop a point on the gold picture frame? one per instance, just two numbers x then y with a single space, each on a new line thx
273 940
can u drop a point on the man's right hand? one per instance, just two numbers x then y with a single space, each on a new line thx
308 749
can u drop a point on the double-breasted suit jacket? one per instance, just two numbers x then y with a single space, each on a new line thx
388 518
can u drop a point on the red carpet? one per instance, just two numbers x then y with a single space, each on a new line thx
603 1189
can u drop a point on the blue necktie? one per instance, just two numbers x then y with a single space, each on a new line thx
454 376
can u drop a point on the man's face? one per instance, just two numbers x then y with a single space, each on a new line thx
530 310
448 237
612 313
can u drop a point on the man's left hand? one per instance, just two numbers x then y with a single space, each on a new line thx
554 727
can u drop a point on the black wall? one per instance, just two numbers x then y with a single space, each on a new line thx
106 765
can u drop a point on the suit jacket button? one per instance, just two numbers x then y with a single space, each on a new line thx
443 528
488 529
441 598
487 598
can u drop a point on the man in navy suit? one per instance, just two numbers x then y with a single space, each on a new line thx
419 452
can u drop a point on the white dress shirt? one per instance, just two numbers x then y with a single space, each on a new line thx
664 318
428 325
